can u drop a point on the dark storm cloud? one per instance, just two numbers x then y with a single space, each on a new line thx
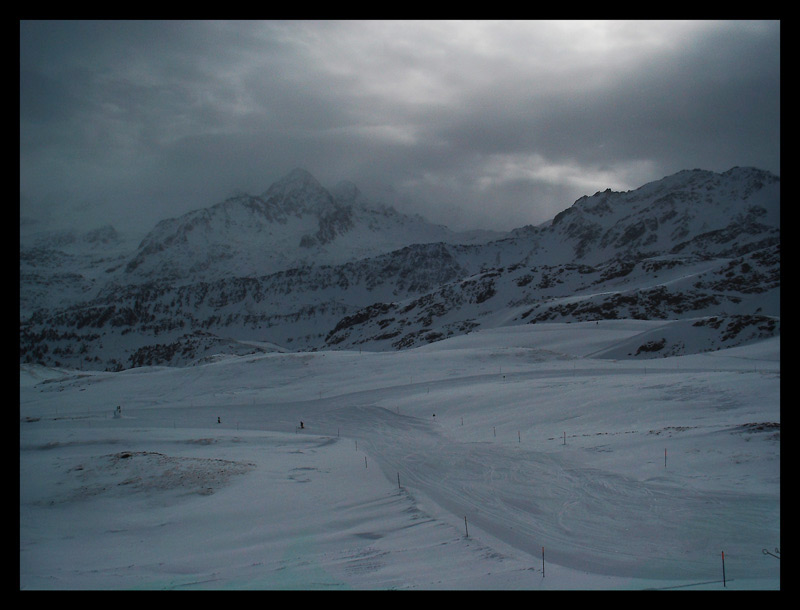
470 123
712 102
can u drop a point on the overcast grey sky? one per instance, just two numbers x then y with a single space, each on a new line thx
492 124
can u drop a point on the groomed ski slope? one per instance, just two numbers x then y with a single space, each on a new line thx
504 459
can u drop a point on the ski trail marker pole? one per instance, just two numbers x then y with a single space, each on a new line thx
723 568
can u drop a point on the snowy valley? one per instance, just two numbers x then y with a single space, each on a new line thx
506 459
592 403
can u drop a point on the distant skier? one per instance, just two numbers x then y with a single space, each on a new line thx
302 426
219 421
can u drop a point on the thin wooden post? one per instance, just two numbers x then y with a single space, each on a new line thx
466 529
542 562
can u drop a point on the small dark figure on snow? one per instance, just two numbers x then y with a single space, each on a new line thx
218 421
302 426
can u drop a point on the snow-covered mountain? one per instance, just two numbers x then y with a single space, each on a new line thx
296 222
301 267
693 245
60 268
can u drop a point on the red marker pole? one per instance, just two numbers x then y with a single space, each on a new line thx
723 568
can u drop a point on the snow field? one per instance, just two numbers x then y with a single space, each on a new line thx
518 433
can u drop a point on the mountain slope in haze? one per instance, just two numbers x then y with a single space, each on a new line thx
295 222
698 248
58 268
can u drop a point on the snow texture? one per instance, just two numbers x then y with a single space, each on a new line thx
523 458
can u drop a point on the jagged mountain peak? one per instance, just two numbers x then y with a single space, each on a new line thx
299 175
295 222
299 192
298 179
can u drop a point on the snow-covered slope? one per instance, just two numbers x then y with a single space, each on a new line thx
518 458
745 291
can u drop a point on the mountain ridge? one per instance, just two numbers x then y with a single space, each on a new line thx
695 245
295 221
